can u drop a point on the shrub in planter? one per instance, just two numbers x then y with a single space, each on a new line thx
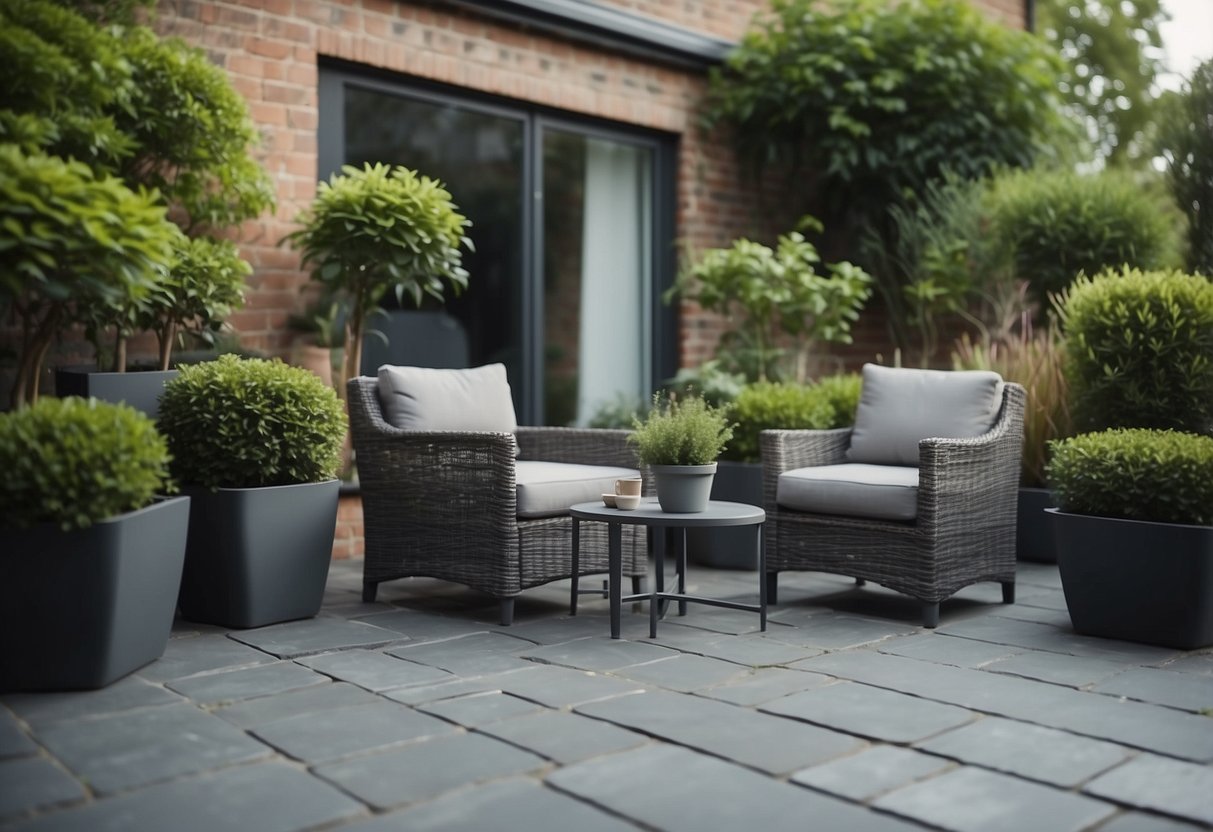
1139 350
681 439
766 405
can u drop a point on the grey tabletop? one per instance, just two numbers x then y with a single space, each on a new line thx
649 513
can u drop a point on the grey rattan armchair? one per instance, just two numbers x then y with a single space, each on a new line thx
443 504
964 531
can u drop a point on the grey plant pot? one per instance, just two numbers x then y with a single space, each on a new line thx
731 547
140 389
1135 580
258 556
83 608
684 489
1033 529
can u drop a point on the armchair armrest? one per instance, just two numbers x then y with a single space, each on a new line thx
585 446
787 450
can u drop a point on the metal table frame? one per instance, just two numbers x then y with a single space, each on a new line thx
718 514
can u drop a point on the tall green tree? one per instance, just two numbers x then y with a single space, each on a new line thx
1185 139
1113 53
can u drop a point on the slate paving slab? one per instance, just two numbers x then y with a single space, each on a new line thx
14 742
374 670
314 635
871 772
1030 751
1163 785
834 631
347 731
944 649
136 748
1138 822
1058 668
765 684
1189 692
428 769
747 650
870 712
198 654
564 737
683 673
448 690
1192 663
599 654
1036 636
234 685
473 655
564 687
695 792
770 743
232 800
481 708
123 695
974 800
34 783
317 699
420 627
514 804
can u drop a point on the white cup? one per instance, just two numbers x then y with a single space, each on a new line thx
627 502
628 487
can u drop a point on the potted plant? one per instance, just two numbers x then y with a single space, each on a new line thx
256 444
680 440
1134 533
92 559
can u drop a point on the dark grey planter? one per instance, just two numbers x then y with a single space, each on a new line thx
1033 530
258 556
84 608
140 389
729 547
1137 581
684 489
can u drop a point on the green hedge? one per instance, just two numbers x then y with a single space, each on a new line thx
830 403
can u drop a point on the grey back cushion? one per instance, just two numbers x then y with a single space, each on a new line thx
899 406
423 398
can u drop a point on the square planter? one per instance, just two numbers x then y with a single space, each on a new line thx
83 608
729 548
1033 529
140 389
258 556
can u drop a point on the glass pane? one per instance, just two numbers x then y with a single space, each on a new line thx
597 230
480 159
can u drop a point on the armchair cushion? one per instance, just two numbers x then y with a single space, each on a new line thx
883 492
899 406
422 398
547 489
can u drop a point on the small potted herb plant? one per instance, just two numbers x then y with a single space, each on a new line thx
92 559
681 439
257 444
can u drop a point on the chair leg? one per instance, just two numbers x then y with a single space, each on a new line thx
369 590
772 588
930 615
507 612
637 584
1008 592
860 582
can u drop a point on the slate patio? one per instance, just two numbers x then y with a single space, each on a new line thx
418 712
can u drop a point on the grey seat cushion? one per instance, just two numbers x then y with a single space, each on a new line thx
547 489
899 407
855 489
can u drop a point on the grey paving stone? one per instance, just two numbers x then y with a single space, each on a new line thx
198 654
266 797
834 631
1187 691
679 790
1031 751
1137 822
943 649
481 708
1053 617
14 742
146 746
373 670
749 650
423 626
478 654
1058 668
564 687
447 690
234 685
514 804
1192 663
763 685
599 654
315 635
770 743
560 629
564 737
427 769
123 695
870 712
311 700
34 783
1053 639
1151 727
975 800
871 772
1169 786
347 731
717 620
684 673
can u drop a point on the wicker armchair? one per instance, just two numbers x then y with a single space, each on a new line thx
443 504
964 531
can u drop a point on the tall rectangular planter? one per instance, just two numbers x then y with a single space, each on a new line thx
140 389
1033 529
729 548
80 609
258 556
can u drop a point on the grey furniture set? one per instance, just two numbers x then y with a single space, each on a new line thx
920 496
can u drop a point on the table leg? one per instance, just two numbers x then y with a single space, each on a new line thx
655 606
682 569
615 575
575 564
762 579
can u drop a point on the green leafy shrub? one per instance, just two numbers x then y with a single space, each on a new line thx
1057 224
682 430
841 394
74 462
1186 143
1139 351
242 423
766 405
1137 474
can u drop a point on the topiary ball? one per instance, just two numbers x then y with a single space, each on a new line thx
74 462
245 423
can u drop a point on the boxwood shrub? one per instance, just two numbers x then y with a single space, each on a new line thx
1139 351
762 405
243 423
1137 474
74 462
